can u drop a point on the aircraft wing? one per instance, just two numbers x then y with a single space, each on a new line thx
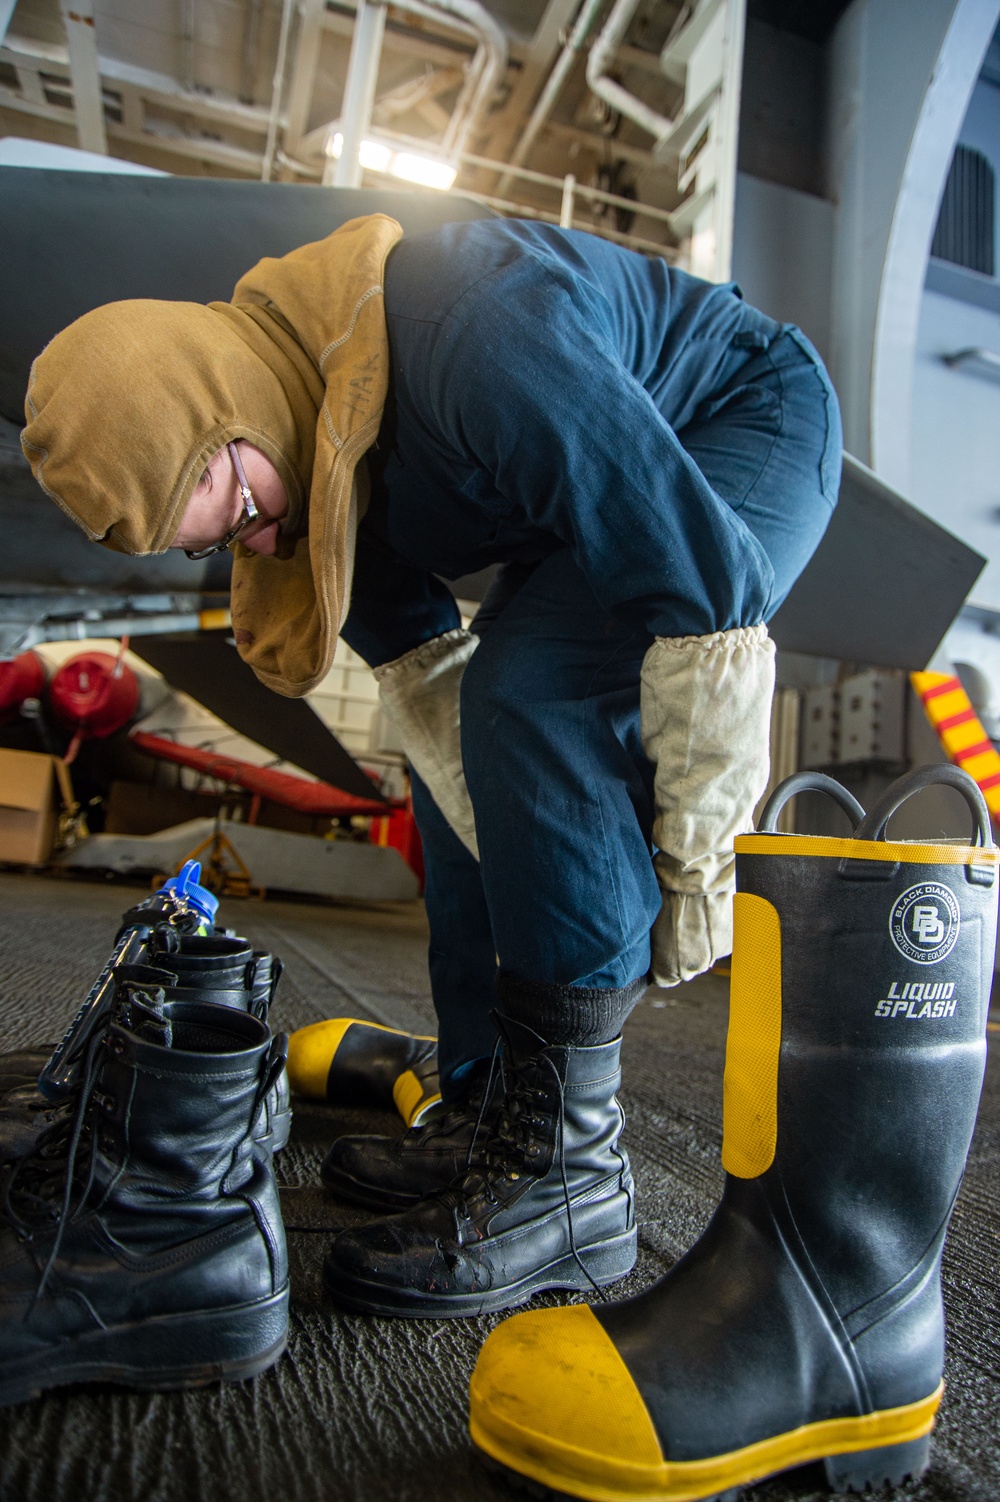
207 666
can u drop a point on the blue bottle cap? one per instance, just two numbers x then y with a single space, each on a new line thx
185 887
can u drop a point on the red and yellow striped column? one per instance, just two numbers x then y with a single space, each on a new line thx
961 733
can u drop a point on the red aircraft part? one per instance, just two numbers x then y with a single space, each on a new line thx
315 798
94 694
21 678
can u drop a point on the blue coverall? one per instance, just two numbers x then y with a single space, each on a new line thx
646 456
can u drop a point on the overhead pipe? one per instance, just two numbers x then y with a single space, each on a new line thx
486 74
277 84
317 140
602 55
588 14
359 91
251 42
414 92
139 624
85 75
566 207
462 116
303 81
187 43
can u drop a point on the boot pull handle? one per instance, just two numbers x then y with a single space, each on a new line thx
807 782
943 774
274 1062
57 1078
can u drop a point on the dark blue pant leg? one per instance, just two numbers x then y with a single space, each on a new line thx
550 715
461 955
550 700
560 785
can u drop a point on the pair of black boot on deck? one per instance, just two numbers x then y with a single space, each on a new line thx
140 1237
806 1324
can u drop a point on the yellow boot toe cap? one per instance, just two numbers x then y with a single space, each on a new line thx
310 1054
552 1399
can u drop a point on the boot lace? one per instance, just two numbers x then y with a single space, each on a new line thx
516 1147
484 1102
52 1185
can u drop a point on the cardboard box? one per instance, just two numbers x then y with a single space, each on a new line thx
33 787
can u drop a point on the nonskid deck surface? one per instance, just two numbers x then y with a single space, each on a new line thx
362 1409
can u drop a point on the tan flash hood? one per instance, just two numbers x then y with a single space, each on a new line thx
125 407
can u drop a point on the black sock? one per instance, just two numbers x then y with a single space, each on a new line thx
577 1016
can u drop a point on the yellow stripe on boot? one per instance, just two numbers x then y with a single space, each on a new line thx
349 1062
410 1097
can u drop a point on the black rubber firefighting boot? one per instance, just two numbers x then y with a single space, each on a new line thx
352 1063
394 1173
806 1324
142 1242
547 1202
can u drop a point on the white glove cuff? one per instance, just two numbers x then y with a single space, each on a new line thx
706 716
420 693
429 660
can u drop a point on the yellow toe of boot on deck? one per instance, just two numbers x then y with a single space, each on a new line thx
549 1386
806 1324
352 1063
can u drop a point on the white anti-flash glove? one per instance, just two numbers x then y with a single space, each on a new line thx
419 693
706 716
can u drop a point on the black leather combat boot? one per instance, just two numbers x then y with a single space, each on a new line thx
221 963
142 1241
352 1063
213 960
547 1203
213 986
25 1110
394 1173
806 1324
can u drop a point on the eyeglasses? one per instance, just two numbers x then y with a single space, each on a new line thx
248 513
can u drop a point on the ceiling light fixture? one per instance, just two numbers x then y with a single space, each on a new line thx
428 171
375 157
411 166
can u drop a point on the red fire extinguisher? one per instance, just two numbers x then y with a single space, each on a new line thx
93 695
21 678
